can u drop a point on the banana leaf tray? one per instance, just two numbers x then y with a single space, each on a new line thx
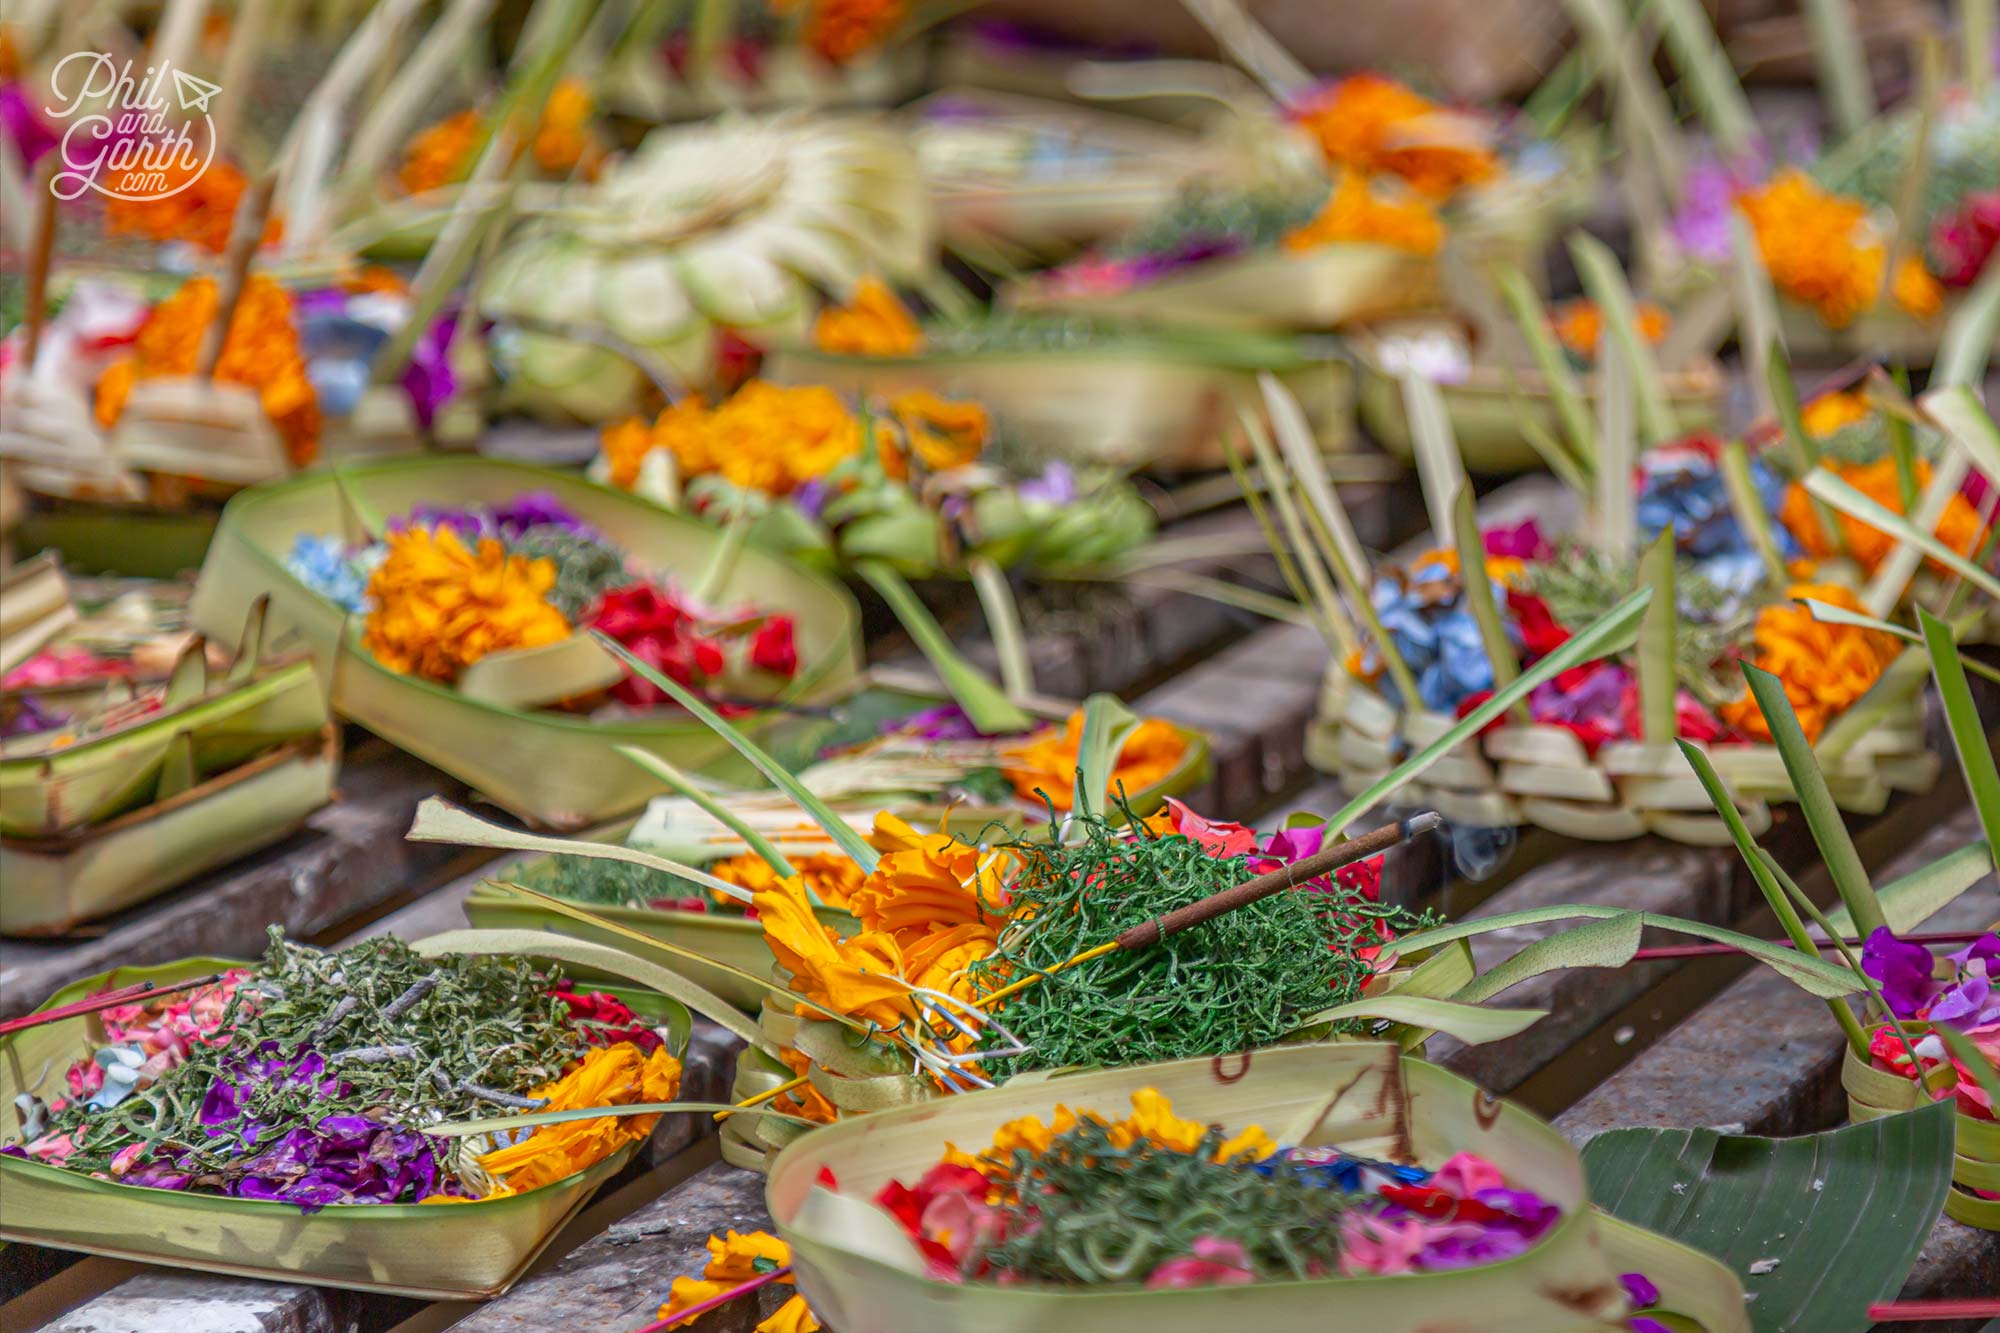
1152 401
1543 775
206 722
462 1252
736 941
1368 1098
1489 404
56 883
547 767
1873 1093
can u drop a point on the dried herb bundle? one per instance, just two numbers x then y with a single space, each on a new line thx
1088 1211
373 1030
1247 979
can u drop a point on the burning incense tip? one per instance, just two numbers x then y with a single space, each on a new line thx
1422 823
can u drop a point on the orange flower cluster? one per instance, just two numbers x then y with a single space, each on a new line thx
734 1259
199 207
438 607
874 323
942 433
607 1076
1046 763
1579 324
860 977
1820 250
766 437
1372 124
261 352
1355 213
440 154
1831 413
1152 1121
840 30
1824 667
831 875
1959 527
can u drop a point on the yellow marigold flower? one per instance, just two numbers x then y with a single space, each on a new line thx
1368 123
1046 762
1029 1134
734 1259
1824 667
1153 1119
1816 245
831 875
439 154
261 352
1253 1143
1579 324
606 1076
874 323
944 433
773 439
1915 290
439 607
1831 413
861 977
927 882
1354 214
1958 527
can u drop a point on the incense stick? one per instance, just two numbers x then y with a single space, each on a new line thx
144 990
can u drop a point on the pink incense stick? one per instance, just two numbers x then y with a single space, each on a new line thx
717 1302
144 990
1919 1312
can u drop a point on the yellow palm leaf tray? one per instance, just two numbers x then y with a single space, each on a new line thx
61 781
463 1252
1156 401
552 768
1366 1098
1488 404
1873 1093
1543 775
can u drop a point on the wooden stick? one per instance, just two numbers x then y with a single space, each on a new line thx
144 990
244 239
40 252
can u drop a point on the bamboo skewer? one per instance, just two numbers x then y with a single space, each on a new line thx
41 251
144 990
243 242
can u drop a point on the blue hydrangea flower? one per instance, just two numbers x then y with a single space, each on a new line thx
1682 488
1439 641
322 564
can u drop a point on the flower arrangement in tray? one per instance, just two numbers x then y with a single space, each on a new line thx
134 756
701 234
1360 237
1345 1175
1592 754
925 496
446 589
1080 390
287 1115
460 606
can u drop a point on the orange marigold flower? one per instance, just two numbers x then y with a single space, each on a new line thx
1824 667
1915 290
861 977
562 137
944 433
1046 763
1353 213
1817 246
840 30
874 323
927 882
805 1100
766 437
1579 324
1959 526
1368 124
439 154
606 1076
831 875
1831 413
198 206
438 607
261 352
